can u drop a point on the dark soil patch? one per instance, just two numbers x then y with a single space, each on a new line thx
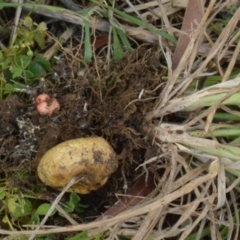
94 101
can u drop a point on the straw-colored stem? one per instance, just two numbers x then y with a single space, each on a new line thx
211 100
230 152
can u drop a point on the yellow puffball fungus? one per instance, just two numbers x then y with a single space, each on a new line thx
92 159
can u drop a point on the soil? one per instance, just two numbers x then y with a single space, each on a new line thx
94 101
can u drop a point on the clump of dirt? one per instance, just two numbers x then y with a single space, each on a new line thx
94 101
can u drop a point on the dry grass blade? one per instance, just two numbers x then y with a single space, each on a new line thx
168 91
163 12
233 59
70 5
133 8
191 20
135 195
139 210
64 37
66 216
220 42
180 3
221 185
53 206
153 217
98 24
155 3
157 12
192 209
228 153
16 21
196 100
64 14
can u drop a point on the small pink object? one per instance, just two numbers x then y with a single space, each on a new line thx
46 105
53 106
42 98
43 108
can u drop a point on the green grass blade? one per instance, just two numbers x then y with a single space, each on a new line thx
226 117
138 22
117 49
235 141
227 132
212 147
124 40
211 100
212 80
204 233
221 150
87 37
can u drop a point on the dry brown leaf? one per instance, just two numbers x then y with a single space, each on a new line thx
100 41
193 15
134 196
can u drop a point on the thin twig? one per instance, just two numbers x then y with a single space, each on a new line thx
53 206
15 24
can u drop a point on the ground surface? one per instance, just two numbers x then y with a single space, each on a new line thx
112 99
94 101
